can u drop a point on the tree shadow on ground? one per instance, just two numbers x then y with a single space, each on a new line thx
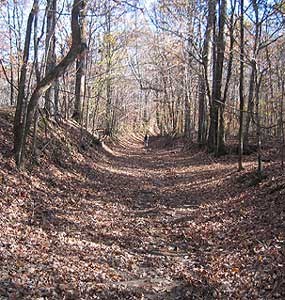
198 227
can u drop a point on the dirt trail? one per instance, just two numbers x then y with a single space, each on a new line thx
127 223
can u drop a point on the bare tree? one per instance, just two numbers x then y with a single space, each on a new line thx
50 55
241 85
215 142
22 126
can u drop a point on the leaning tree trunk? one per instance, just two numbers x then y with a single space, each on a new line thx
20 114
38 78
77 47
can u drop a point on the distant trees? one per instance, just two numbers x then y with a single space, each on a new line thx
205 70
227 58
11 47
45 82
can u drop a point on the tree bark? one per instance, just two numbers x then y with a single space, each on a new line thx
109 121
282 124
77 47
203 78
252 81
258 127
80 72
20 114
50 49
11 59
221 137
241 95
215 144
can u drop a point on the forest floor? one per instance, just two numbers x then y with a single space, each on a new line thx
120 222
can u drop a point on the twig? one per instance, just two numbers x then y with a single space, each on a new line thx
6 75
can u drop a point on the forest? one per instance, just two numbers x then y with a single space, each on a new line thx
142 149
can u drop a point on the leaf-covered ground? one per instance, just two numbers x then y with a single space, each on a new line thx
120 222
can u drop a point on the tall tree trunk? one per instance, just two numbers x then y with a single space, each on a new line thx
187 119
50 49
250 104
77 47
216 110
11 59
80 73
241 95
38 78
281 121
20 114
202 111
221 136
252 81
18 33
109 122
79 89
204 89
258 126
187 96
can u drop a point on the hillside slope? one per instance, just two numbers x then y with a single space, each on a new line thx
119 222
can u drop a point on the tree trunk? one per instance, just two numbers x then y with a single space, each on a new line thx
20 114
258 127
221 137
252 81
79 89
282 123
77 47
187 119
203 78
11 59
80 73
215 142
250 105
241 96
50 49
108 73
